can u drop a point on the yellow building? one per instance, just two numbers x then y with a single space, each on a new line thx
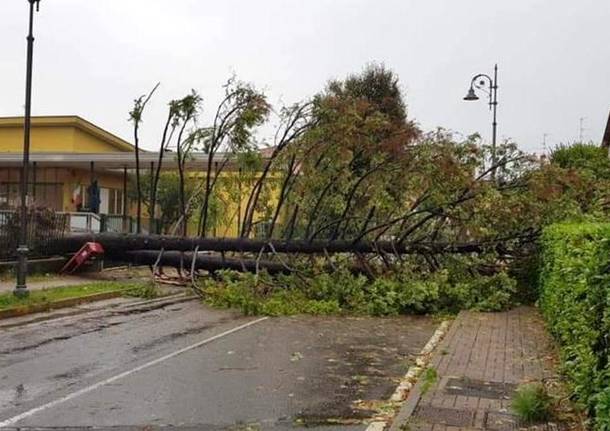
68 154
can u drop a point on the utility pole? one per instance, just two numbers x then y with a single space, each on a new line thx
544 148
581 129
21 289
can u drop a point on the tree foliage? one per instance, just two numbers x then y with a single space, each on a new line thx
350 166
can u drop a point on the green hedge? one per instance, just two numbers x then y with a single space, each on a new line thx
575 300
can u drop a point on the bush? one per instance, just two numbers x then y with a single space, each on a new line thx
575 300
483 293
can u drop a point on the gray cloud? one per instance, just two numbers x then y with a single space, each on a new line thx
93 57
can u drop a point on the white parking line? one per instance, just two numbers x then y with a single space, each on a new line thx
26 414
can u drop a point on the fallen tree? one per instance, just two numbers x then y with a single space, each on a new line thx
206 262
348 174
117 244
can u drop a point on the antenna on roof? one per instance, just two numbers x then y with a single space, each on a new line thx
544 147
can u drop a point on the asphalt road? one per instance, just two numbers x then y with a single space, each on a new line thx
182 365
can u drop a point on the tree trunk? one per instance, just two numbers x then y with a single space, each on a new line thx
202 261
118 243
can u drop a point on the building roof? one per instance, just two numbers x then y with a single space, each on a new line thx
70 121
110 161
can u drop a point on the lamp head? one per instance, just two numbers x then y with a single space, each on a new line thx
471 95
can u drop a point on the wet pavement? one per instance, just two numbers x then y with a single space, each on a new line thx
184 365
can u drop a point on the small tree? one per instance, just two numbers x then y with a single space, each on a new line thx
135 116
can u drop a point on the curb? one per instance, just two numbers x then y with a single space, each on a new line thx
415 390
409 384
402 391
62 303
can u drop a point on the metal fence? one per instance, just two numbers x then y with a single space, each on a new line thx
117 223
44 227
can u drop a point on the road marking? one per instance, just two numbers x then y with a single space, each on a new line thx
15 419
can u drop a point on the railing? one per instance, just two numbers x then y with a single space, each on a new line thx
43 229
45 226
83 222
117 224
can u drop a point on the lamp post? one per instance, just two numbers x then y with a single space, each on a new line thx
480 82
21 288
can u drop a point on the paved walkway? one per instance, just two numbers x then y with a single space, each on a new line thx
482 359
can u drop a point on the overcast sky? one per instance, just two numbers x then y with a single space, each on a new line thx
93 57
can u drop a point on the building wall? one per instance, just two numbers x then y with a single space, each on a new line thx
42 139
233 198
59 135
86 143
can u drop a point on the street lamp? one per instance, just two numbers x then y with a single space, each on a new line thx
480 82
21 289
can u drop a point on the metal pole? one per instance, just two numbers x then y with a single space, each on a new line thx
21 289
151 212
124 224
494 123
34 179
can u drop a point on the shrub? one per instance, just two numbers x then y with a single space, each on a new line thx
588 158
484 293
532 403
575 300
344 292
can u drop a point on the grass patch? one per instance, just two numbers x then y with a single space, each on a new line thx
429 378
532 403
143 290
46 296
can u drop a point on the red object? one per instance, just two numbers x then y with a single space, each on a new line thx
86 252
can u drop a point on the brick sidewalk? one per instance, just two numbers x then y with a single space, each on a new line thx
482 359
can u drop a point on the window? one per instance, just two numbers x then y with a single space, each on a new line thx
42 195
115 201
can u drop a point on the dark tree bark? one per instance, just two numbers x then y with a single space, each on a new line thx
157 174
202 261
297 123
115 244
